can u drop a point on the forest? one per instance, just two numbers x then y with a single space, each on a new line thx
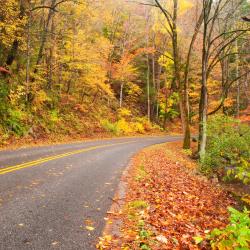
82 67
72 69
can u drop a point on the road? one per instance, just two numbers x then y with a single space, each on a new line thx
49 194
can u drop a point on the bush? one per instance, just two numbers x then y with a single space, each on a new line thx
236 235
110 127
138 127
228 149
124 127
14 122
124 113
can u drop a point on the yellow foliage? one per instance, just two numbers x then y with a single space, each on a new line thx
11 24
138 127
124 127
16 94
40 98
123 112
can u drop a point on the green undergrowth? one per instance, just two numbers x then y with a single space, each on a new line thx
143 237
141 173
236 235
228 150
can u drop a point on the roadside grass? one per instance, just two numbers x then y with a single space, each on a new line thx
136 211
141 173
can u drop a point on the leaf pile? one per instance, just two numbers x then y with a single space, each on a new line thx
181 205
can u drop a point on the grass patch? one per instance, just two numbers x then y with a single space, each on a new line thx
141 173
138 205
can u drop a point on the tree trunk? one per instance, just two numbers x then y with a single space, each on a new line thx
187 134
28 58
148 74
148 87
176 57
121 94
14 48
158 82
51 55
44 35
203 95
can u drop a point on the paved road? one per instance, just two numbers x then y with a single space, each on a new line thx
47 193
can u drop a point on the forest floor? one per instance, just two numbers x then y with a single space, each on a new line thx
163 202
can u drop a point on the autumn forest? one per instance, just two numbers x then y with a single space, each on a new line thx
73 69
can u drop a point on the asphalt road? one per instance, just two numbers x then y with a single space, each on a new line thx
49 193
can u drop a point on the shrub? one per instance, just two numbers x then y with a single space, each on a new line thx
14 122
110 127
236 235
124 127
123 113
228 149
138 127
147 126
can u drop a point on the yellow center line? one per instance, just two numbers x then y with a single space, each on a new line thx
50 158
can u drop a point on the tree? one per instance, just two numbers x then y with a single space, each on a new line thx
213 49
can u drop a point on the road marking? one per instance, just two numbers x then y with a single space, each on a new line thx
50 158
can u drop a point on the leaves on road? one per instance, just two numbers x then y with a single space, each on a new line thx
90 228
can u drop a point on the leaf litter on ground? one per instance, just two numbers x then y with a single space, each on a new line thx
168 204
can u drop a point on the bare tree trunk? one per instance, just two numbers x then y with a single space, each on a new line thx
158 82
44 35
148 87
153 81
237 82
121 94
176 58
28 57
15 45
51 55
203 95
148 74
187 133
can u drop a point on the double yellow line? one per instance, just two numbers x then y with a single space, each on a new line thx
50 158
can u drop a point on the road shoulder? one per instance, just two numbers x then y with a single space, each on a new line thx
163 202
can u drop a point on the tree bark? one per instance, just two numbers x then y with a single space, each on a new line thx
204 95
44 35
121 94
28 57
14 48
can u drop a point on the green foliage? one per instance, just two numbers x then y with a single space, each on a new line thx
168 109
138 204
110 127
236 235
141 173
228 149
11 116
14 122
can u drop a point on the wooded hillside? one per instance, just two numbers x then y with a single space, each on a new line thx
83 67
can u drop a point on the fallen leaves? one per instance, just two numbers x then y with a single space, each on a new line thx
162 239
181 205
89 225
90 228
54 243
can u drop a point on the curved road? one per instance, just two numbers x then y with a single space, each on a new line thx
49 193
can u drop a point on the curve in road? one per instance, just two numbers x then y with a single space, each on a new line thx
49 194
